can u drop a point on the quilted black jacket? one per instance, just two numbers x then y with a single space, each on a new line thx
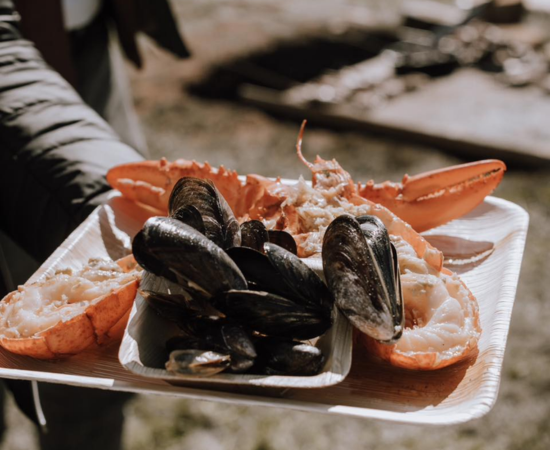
54 150
54 154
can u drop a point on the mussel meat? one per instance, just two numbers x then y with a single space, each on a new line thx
197 362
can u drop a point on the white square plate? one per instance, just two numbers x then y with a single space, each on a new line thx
372 389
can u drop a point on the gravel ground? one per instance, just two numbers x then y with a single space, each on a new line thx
245 139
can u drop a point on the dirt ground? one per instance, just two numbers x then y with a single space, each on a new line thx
245 139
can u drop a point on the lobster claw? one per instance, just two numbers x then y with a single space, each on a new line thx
433 198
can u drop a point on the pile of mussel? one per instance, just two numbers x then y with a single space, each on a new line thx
247 301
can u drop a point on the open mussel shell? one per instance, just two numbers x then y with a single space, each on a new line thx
273 315
287 357
178 252
361 270
218 220
197 362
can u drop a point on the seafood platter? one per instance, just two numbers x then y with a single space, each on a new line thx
317 296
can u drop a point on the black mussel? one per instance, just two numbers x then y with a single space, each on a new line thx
240 346
283 239
259 272
218 220
191 216
186 341
148 261
178 252
237 364
362 271
254 235
222 338
375 231
197 362
238 341
282 273
206 328
308 288
220 335
288 357
177 307
273 315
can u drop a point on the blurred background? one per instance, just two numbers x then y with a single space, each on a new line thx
389 87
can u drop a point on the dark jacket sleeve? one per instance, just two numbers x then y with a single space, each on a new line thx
54 150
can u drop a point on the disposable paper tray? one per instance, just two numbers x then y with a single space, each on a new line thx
372 389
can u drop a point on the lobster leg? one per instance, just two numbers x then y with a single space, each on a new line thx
151 182
433 198
145 182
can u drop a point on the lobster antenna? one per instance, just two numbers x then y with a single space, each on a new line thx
299 145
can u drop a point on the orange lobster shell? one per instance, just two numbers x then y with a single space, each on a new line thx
100 323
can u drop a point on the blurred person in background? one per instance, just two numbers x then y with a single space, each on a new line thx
54 154
76 37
